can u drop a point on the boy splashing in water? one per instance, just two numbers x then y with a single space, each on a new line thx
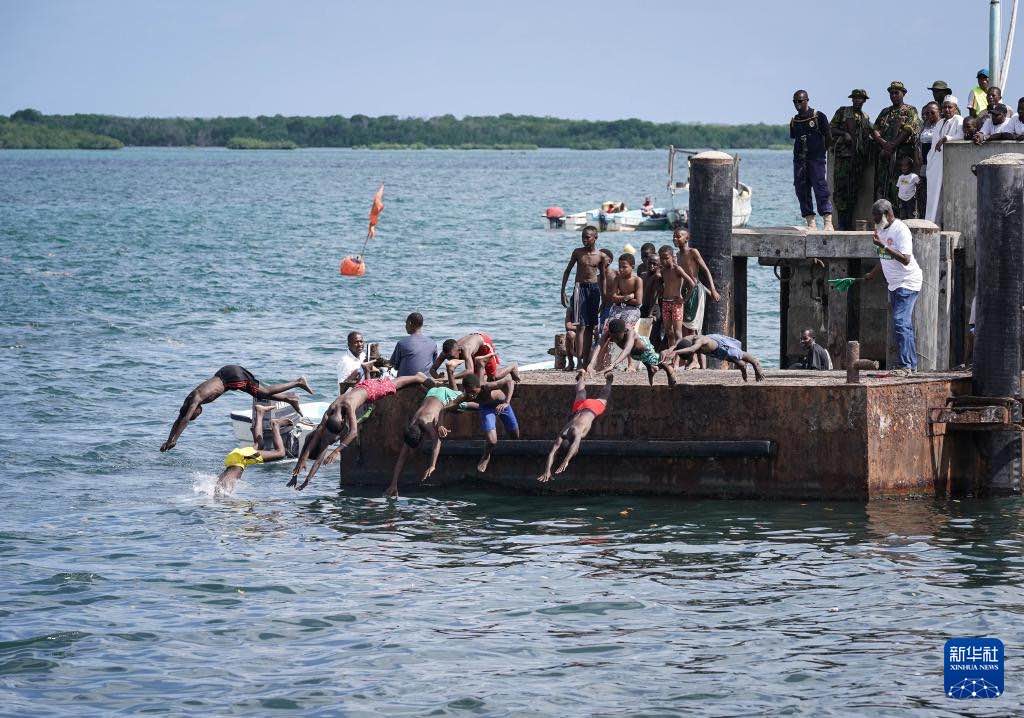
584 413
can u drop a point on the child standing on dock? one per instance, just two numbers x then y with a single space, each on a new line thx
692 262
906 188
584 413
590 267
675 282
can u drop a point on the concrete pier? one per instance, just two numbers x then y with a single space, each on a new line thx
798 435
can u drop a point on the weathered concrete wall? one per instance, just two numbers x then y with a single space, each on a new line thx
960 201
833 440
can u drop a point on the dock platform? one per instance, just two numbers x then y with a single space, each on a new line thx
796 435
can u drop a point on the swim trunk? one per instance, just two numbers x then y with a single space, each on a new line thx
238 378
595 406
443 394
627 313
643 353
491 366
693 312
586 303
377 388
243 456
671 310
488 419
729 349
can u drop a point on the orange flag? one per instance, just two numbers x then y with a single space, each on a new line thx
375 209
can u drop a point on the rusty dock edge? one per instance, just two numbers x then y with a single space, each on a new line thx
798 435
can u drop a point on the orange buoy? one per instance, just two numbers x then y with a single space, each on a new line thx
352 267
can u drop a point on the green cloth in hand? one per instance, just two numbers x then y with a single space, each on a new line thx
842 285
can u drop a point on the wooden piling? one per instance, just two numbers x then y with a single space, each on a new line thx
1000 265
711 192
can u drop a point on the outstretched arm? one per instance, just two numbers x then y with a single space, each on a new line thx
353 432
392 489
438 360
596 354
546 476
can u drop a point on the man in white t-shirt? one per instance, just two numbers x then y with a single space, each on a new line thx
350 367
903 275
999 125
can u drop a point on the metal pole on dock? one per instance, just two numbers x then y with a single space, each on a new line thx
993 43
711 190
997 347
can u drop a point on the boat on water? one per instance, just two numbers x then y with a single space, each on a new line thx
614 216
294 437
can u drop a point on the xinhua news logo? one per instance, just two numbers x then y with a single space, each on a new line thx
974 668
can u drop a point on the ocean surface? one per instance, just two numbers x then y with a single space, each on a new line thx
127 588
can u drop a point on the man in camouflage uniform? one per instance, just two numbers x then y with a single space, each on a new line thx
895 133
851 141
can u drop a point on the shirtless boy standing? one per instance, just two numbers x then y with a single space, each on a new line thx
693 264
627 292
675 281
586 296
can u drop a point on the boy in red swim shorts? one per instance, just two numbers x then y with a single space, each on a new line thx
584 412
478 354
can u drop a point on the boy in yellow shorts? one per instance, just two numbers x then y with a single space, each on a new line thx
239 459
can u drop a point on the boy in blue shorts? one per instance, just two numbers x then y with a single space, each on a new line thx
495 400
588 289
717 346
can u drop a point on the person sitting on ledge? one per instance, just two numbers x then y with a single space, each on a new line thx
633 346
584 413
717 346
238 460
342 413
231 378
997 126
815 356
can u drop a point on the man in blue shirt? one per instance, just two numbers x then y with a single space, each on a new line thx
416 353
812 137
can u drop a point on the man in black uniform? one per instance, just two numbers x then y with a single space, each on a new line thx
812 137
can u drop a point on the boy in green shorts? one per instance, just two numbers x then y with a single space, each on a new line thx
633 346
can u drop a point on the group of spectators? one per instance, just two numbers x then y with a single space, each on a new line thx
414 354
902 146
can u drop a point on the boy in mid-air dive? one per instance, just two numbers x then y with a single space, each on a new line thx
341 414
633 346
239 459
494 399
717 346
478 354
427 421
587 292
231 378
584 412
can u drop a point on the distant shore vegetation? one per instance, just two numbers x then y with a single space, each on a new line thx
251 143
391 132
25 131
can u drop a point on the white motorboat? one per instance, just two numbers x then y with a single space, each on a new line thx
294 437
678 214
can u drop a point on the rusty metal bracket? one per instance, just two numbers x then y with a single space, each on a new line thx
978 413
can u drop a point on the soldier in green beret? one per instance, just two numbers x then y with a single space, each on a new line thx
851 141
895 134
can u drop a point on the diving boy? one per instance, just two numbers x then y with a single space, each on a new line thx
717 346
584 413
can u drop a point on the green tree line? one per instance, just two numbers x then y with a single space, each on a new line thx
35 136
392 131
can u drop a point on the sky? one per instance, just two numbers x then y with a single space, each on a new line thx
686 61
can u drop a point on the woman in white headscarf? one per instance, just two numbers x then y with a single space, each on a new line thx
950 127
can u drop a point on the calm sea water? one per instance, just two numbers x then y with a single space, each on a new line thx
125 278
